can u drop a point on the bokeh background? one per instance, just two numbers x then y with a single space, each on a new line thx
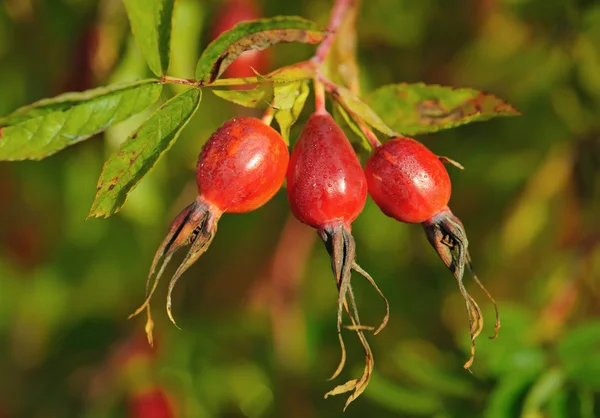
257 311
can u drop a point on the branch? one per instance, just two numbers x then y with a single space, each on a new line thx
340 8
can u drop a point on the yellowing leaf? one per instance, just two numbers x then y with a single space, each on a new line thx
256 34
421 108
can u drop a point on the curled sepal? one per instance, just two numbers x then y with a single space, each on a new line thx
195 226
447 235
341 247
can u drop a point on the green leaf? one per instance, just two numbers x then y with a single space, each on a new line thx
296 72
260 96
256 34
508 392
151 25
428 371
359 109
403 400
579 353
43 128
289 100
420 108
340 112
544 389
138 154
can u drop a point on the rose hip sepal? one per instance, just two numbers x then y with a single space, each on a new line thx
327 190
410 183
240 168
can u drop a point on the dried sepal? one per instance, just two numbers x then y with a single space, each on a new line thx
448 160
447 235
342 248
195 226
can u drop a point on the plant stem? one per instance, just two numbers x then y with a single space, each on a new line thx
175 80
333 89
337 16
221 82
319 96
373 140
267 117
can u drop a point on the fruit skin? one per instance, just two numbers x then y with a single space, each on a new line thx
407 181
325 180
232 12
242 165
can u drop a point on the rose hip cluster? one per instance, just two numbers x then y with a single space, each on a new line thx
245 162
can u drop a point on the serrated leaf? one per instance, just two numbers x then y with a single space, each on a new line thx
43 128
151 25
359 109
138 154
296 72
256 34
260 96
420 108
341 113
289 100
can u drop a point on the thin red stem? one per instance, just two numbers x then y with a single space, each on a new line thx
337 16
319 97
267 117
373 140
333 89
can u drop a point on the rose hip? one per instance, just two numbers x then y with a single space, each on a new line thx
327 190
410 183
240 168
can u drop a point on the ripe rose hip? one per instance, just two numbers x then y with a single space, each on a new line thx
232 12
407 181
327 190
410 183
240 168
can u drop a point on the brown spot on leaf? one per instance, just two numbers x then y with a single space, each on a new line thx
131 160
134 136
112 186
120 154
1 129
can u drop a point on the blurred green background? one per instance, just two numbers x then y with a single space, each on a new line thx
257 311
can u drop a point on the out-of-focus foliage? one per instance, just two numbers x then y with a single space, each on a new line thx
258 310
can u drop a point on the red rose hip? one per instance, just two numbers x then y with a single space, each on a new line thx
407 181
327 190
240 168
410 183
326 183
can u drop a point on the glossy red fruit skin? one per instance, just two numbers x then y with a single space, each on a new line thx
242 165
325 181
407 181
230 13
